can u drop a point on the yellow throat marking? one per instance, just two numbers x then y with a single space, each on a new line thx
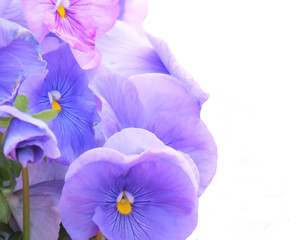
55 105
124 206
61 11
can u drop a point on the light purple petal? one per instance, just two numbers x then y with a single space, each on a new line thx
132 141
176 70
44 214
127 53
173 116
121 107
43 172
4 4
12 10
133 12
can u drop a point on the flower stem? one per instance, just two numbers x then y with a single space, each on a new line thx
99 236
26 206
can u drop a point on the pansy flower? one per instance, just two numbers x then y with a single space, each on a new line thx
64 88
126 52
19 58
77 22
162 105
133 188
28 139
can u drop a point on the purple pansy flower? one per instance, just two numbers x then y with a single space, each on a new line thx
65 88
126 52
44 213
147 192
163 106
19 58
28 139
77 22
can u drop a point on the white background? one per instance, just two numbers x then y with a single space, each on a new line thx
246 55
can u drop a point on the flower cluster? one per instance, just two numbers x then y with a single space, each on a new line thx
101 135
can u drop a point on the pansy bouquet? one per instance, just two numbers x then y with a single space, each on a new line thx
101 135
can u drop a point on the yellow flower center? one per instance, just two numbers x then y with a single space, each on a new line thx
61 11
55 105
124 206
124 202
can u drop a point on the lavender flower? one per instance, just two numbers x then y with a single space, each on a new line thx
163 106
19 58
28 139
64 88
148 192
77 22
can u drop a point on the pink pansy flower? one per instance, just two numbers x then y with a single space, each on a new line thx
77 22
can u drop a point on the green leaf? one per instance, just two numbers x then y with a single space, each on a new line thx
8 173
7 233
5 228
16 168
4 122
63 235
21 103
4 168
16 236
46 115
4 209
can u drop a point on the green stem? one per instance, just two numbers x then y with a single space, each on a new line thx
26 205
